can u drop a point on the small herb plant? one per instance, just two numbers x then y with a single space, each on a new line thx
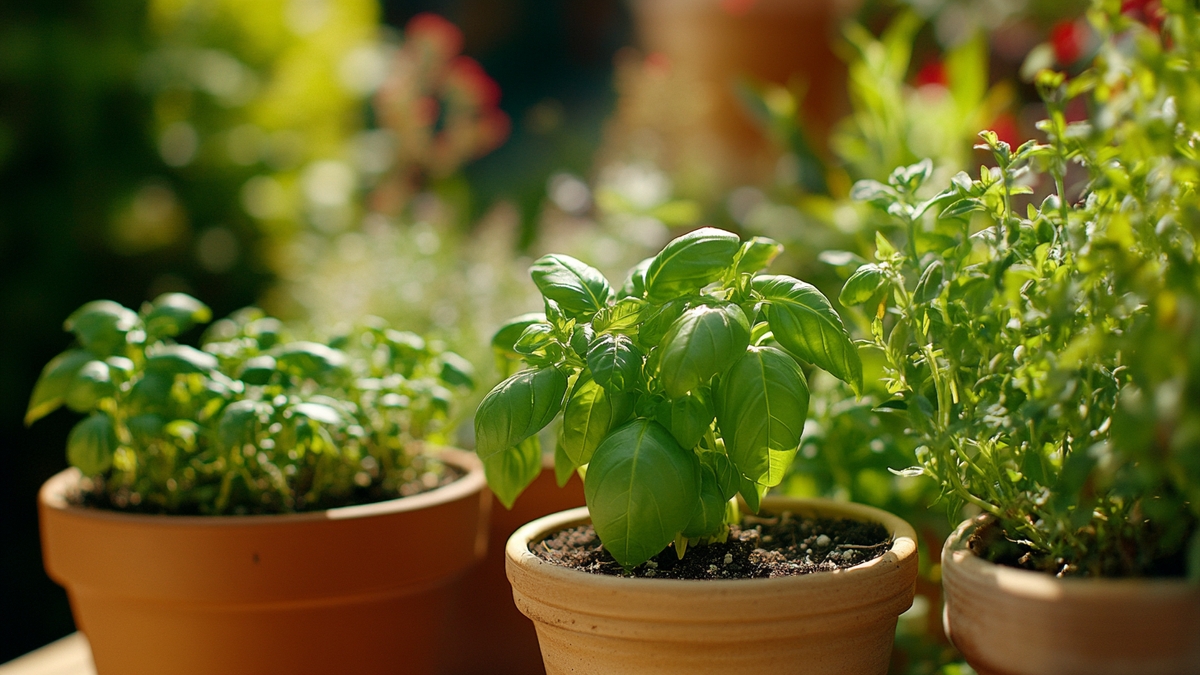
253 422
1045 354
678 391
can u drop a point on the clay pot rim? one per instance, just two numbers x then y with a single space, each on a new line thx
904 546
959 560
53 494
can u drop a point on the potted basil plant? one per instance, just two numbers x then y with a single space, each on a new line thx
677 392
261 504
1043 350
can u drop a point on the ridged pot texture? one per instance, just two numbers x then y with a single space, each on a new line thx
360 589
1009 621
827 623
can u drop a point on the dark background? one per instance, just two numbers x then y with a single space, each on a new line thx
74 141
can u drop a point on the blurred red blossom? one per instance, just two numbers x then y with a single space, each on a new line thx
933 72
1068 38
1149 12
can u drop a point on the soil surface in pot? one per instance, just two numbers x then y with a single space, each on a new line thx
424 475
762 546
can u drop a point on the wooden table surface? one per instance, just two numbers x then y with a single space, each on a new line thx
68 656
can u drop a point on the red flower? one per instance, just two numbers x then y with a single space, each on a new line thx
1149 12
1005 126
933 72
435 32
1068 39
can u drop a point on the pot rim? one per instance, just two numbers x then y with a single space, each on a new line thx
53 494
904 546
958 558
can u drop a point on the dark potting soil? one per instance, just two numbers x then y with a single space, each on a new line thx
762 546
92 492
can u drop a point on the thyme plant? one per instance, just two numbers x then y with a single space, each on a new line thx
254 421
1043 349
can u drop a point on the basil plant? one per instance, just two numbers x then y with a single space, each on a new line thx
677 391
254 421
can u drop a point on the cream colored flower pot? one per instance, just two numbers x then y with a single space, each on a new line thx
827 623
1009 621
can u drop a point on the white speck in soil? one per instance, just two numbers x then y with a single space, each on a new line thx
824 540
728 558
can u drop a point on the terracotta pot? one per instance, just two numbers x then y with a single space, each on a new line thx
830 622
360 589
490 635
1009 621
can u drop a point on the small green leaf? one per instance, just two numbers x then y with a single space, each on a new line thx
590 413
536 336
690 262
258 370
51 389
91 444
622 316
405 344
805 324
702 343
641 489
511 471
456 371
635 283
563 467
761 406
728 478
757 254
658 323
239 424
615 361
508 334
101 326
179 360
578 288
318 412
688 417
862 285
310 359
752 492
873 192
709 517
173 313
929 286
518 408
92 383
581 339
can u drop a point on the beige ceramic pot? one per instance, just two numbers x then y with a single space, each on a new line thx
1009 621
360 589
827 623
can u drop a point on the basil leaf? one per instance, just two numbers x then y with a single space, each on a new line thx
688 417
757 254
173 313
805 324
578 288
657 324
91 444
508 334
615 361
563 467
100 326
590 413
239 424
641 490
635 283
621 316
862 285
310 359
700 344
92 383
690 262
178 360
514 411
728 478
929 286
51 389
761 406
709 517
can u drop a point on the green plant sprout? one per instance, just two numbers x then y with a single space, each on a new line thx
1045 354
254 422
677 392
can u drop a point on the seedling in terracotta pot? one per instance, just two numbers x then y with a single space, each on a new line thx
253 421
677 391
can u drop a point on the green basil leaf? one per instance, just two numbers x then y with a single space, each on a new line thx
615 361
635 283
757 254
535 337
51 389
238 425
91 444
929 286
702 343
862 285
641 490
145 428
152 392
581 339
709 517
258 370
404 344
688 417
658 323
518 408
178 359
728 478
318 412
310 359
805 324
622 316
509 333
563 466
578 288
690 262
173 313
510 471
456 371
761 405
101 326
590 413
92 383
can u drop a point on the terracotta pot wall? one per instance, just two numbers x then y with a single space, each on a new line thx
1008 621
362 589
828 623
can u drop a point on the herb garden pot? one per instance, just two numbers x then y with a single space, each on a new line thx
359 589
828 622
501 640
1010 621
